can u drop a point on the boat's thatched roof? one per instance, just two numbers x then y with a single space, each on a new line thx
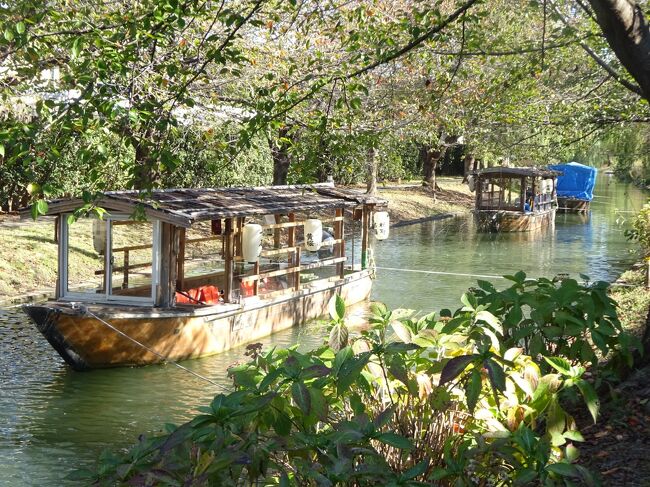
184 206
518 172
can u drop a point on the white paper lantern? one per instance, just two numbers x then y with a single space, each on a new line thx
251 242
382 225
313 234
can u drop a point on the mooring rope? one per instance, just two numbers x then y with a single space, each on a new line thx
438 272
165 359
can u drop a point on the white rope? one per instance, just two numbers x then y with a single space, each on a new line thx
165 359
439 272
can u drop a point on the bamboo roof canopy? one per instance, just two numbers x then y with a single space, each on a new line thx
501 171
184 206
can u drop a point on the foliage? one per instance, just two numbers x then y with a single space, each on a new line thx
438 399
640 231
558 317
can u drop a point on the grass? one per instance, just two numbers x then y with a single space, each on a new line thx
633 300
411 203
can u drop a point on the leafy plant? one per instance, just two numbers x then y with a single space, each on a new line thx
410 400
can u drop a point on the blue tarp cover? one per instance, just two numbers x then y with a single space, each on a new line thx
577 180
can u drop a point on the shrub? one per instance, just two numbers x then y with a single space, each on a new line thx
440 399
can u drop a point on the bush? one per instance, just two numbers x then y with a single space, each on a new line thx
440 399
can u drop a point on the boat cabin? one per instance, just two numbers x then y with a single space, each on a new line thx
188 247
512 198
575 186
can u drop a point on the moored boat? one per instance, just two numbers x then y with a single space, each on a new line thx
575 186
514 199
202 270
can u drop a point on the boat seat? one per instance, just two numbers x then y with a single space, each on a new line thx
199 295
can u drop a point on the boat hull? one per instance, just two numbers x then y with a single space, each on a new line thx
85 342
512 221
572 205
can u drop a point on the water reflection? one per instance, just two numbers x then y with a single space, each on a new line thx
53 419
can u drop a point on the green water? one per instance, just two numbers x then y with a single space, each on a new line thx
53 419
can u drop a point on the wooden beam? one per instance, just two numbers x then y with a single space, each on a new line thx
277 235
365 236
229 243
291 241
291 270
256 282
339 230
180 273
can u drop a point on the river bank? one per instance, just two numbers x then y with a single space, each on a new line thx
28 252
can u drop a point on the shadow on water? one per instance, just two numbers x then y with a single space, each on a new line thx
53 419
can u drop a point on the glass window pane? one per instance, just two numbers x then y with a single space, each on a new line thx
86 245
132 252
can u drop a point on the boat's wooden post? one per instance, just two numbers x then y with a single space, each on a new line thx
169 244
277 232
57 229
479 191
180 272
228 259
256 282
522 195
365 236
125 280
291 242
340 249
296 284
62 243
532 201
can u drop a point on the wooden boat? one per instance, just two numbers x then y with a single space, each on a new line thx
153 300
572 205
575 186
515 199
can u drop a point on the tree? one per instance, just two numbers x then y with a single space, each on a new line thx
626 29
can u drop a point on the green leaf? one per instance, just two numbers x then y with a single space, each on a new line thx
560 364
301 396
336 307
402 332
282 425
496 374
2 150
473 390
350 371
42 207
20 27
490 319
416 470
572 453
9 35
573 435
338 338
319 404
563 469
76 47
590 396
395 440
454 367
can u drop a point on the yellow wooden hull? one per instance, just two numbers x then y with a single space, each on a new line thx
513 221
176 334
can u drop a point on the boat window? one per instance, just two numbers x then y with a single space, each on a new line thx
114 259
86 257
131 258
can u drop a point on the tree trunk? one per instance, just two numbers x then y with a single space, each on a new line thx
371 175
469 166
628 34
427 167
281 157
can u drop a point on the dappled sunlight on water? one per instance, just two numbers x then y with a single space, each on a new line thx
53 419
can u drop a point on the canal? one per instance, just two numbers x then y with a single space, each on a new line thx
53 420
